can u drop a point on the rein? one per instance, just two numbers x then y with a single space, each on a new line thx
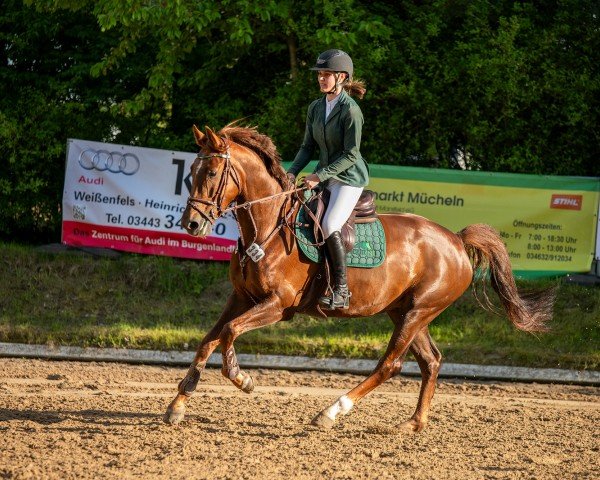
255 251
216 204
247 205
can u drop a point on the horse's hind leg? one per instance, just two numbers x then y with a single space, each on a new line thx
407 327
429 359
187 386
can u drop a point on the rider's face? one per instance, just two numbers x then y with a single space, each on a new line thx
326 80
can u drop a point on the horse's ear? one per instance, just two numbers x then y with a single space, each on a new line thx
199 136
213 139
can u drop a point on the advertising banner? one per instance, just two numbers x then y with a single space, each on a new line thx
548 223
597 259
131 199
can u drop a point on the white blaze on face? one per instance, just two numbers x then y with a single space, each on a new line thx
199 166
204 229
342 406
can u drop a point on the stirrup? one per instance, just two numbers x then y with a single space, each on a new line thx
339 298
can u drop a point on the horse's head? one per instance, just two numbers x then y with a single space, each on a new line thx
215 183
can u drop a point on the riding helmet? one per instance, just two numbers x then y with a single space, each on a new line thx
335 60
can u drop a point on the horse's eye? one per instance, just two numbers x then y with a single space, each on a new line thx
212 173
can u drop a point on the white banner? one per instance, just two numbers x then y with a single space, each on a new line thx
131 199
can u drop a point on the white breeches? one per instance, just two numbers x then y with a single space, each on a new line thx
342 202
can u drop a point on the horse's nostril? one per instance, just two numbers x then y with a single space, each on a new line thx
193 225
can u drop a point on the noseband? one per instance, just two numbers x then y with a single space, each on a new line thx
216 202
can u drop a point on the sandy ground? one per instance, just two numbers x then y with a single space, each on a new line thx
63 420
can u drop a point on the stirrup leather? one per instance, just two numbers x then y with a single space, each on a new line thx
339 298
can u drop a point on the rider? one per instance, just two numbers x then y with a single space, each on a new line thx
334 125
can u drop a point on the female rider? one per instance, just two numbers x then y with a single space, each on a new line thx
334 125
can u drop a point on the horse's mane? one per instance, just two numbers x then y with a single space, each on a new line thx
260 144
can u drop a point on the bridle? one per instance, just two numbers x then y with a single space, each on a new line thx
216 202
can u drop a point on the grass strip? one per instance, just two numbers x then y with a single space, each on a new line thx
164 303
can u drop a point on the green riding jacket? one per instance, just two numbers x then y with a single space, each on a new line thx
338 140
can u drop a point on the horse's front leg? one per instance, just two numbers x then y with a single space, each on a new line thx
265 313
176 410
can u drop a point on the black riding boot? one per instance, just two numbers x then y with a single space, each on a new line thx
340 297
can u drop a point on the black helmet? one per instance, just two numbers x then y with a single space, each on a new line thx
336 61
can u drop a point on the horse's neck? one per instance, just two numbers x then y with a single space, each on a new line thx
261 218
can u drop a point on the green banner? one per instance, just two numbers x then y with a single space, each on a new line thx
548 223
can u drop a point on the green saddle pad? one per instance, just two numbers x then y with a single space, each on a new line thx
368 251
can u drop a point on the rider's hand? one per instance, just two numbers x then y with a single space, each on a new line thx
311 181
292 178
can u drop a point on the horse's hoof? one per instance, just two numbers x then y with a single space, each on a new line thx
248 385
412 426
322 421
173 417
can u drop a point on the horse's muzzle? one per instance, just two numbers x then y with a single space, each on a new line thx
197 228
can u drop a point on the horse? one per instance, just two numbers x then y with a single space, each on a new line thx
426 269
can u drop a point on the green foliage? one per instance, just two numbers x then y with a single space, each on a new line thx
498 86
48 97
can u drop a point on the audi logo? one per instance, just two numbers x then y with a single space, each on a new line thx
115 162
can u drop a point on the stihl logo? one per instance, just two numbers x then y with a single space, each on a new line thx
566 202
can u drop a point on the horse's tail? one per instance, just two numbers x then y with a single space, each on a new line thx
528 311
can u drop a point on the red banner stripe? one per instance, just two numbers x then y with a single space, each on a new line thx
147 241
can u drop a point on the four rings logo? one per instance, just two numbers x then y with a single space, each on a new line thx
115 162
566 202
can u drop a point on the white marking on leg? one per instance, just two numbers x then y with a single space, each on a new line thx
342 406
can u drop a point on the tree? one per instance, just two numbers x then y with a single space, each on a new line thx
49 96
498 86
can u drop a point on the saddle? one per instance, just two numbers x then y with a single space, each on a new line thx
364 212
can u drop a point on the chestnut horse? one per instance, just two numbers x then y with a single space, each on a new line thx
427 268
